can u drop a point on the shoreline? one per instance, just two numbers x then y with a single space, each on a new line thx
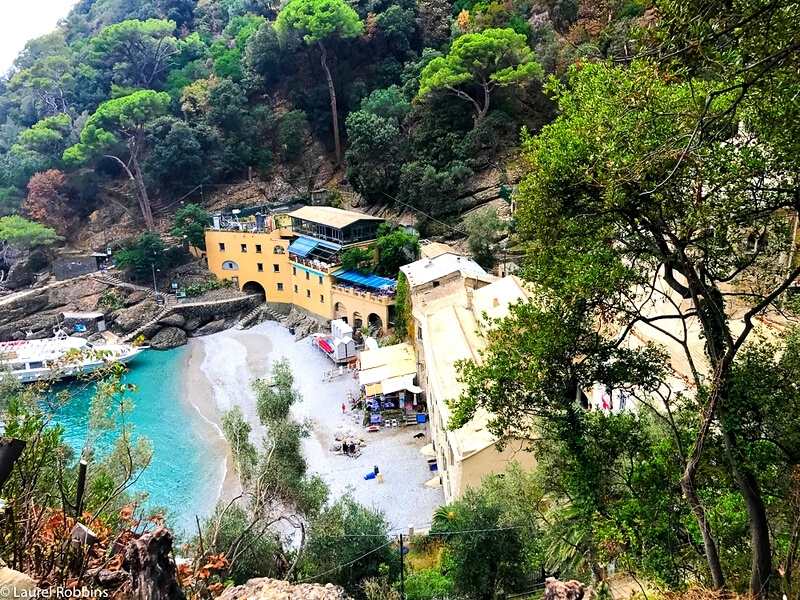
197 393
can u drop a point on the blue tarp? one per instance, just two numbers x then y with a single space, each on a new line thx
303 246
374 282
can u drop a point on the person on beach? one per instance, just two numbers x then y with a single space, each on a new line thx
344 408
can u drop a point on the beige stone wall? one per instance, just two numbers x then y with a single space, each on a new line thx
491 460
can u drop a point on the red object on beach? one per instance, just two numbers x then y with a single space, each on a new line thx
325 345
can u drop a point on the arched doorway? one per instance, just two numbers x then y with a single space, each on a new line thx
358 321
253 287
375 322
340 312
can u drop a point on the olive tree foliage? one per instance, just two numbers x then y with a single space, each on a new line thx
118 126
636 211
482 61
190 224
319 22
343 533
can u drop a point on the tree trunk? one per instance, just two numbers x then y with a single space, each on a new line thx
10 451
709 545
484 109
141 189
334 113
761 563
153 575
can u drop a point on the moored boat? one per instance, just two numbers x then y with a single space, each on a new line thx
61 356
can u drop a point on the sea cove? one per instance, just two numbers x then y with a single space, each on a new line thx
188 465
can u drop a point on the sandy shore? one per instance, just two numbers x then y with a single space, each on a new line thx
220 369
197 392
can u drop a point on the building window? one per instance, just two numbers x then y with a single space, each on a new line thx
258 248
244 247
307 275
260 267
294 270
308 293
296 289
229 265
222 246
276 268
320 279
280 287
278 250
322 299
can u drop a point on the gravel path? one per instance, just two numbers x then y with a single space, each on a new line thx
233 358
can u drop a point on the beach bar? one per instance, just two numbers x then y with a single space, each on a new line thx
388 390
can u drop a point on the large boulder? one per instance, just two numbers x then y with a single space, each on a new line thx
211 327
168 337
275 589
14 584
134 317
173 320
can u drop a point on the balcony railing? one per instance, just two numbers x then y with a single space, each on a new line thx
317 265
379 297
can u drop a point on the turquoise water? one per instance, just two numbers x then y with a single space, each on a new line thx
185 471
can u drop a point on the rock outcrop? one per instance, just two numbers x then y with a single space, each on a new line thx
14 584
275 589
168 337
128 319
210 327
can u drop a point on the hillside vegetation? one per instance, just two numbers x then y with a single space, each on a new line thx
152 98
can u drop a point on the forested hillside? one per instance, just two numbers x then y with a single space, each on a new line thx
137 102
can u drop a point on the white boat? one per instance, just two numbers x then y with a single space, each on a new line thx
60 357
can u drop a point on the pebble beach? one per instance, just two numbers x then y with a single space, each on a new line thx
219 369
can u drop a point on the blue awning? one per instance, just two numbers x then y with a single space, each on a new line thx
374 282
303 246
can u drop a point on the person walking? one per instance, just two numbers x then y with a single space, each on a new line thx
344 408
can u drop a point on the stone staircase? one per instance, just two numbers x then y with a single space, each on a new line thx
257 315
115 281
166 301
139 330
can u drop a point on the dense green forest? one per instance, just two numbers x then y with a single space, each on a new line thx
170 94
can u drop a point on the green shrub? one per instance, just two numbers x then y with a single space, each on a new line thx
110 300
428 584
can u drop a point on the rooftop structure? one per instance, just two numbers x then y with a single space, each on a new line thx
430 270
388 367
334 224
434 249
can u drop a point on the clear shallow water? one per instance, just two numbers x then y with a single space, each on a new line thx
185 472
